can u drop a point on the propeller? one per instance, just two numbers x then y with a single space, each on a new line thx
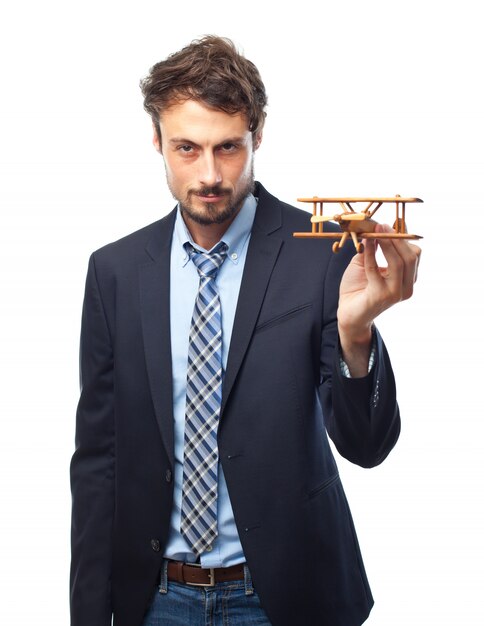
315 219
346 217
352 217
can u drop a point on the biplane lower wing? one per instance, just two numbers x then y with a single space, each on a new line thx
327 235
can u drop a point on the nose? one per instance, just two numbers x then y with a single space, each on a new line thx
209 173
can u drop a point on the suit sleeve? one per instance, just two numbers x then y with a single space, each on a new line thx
361 414
92 468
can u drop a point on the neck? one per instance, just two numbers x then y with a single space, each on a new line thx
206 235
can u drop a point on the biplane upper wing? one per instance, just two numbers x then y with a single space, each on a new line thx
335 200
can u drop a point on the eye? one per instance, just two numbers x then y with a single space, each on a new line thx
185 148
228 147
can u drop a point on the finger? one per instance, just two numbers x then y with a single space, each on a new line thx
418 253
403 259
395 271
369 260
410 254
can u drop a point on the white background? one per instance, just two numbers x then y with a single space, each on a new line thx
373 97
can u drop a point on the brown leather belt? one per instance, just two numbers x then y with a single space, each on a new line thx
193 574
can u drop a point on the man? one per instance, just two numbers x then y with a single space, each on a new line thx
216 351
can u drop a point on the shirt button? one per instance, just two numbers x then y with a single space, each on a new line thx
168 476
234 256
208 549
155 545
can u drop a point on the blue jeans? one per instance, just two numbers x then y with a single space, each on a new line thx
233 603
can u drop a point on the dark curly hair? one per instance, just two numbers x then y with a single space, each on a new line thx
211 71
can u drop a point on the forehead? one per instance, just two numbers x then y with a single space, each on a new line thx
192 120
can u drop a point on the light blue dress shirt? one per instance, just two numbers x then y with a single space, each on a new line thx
226 549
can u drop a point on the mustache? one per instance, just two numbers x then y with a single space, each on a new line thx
209 191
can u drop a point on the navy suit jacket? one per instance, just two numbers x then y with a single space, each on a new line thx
283 392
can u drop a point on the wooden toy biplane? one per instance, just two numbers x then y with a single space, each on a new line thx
356 224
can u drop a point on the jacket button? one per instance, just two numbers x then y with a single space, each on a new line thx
155 545
168 476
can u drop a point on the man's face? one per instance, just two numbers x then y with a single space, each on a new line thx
208 159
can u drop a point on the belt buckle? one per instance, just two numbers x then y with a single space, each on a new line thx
211 576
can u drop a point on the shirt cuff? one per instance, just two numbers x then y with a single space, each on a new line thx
345 370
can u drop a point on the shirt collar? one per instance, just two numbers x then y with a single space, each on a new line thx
235 236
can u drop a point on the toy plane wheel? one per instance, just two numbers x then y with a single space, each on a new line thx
360 248
336 246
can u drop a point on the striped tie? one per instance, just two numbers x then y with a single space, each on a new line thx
204 395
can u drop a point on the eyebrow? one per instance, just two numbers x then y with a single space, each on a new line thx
180 140
237 140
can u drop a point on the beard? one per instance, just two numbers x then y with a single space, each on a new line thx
214 213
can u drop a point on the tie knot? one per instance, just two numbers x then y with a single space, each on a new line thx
208 263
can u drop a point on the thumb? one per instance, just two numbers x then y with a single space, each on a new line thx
371 266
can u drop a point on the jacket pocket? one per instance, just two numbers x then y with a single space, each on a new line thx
282 317
323 486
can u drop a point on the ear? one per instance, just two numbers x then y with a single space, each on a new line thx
257 140
156 139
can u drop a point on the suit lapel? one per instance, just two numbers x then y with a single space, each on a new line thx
261 256
154 279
